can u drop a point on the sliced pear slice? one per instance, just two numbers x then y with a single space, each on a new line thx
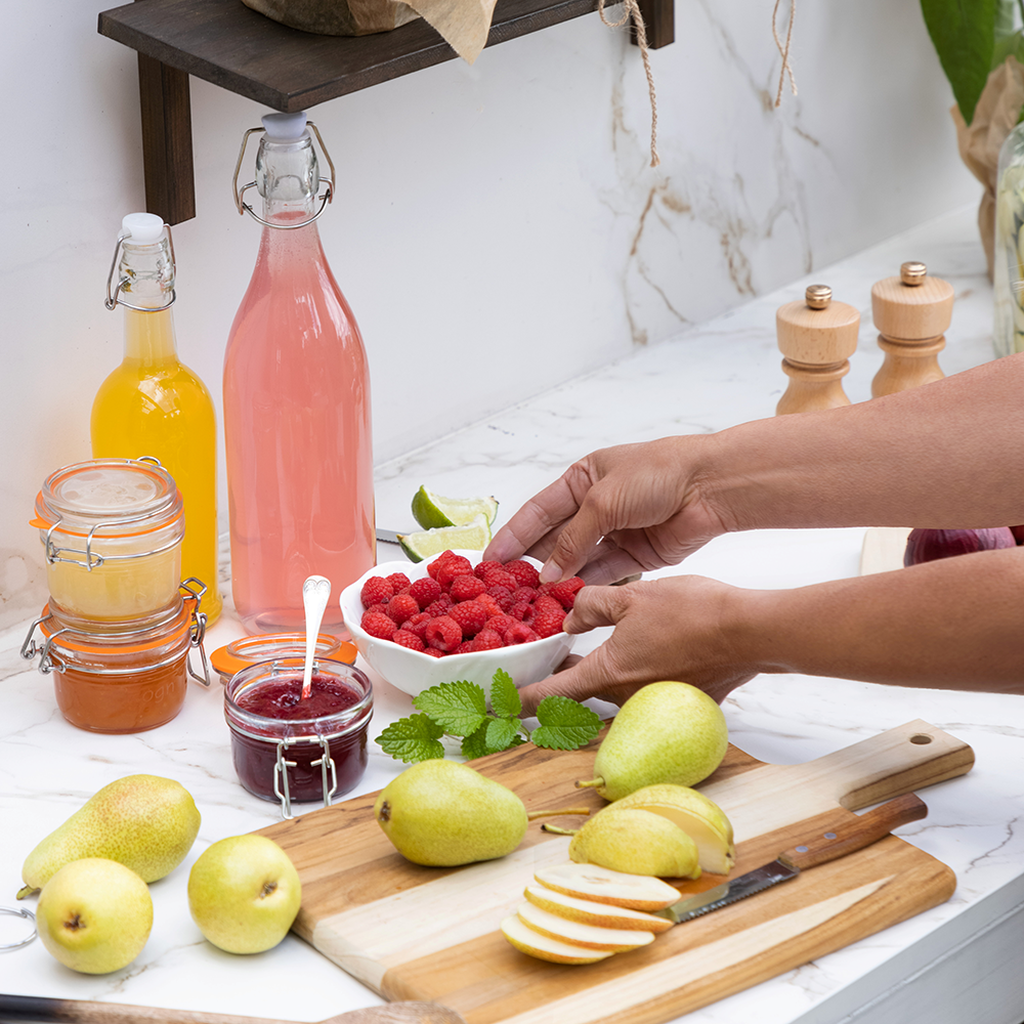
526 940
590 936
593 882
604 915
700 818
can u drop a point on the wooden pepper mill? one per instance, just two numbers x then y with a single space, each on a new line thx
817 337
912 313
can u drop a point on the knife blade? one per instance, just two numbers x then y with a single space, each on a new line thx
848 837
387 536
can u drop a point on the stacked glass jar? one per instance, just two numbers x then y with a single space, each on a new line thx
120 623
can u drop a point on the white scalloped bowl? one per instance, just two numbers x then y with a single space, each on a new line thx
412 671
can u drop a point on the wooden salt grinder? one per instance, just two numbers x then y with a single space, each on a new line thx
912 313
817 337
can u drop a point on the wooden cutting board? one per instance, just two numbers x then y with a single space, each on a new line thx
411 932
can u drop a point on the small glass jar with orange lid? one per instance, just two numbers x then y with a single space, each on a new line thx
111 531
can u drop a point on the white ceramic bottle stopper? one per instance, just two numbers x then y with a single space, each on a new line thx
816 336
912 313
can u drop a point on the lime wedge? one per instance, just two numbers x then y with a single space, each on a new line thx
474 536
432 510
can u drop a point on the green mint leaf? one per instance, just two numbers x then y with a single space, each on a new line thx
475 745
459 708
504 696
964 36
564 724
412 739
500 734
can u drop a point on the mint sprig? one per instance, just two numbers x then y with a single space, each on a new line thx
459 709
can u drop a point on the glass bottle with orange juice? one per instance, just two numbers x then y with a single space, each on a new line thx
152 404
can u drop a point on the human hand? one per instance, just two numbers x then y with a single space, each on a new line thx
674 628
616 512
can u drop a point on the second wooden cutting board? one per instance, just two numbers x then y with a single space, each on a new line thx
411 932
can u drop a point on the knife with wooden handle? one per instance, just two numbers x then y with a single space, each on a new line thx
861 831
81 1011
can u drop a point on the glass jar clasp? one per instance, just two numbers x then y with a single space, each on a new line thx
30 917
243 207
195 589
112 301
281 766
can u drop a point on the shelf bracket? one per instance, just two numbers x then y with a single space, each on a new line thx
659 22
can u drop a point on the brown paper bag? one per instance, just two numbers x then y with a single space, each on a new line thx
463 24
995 116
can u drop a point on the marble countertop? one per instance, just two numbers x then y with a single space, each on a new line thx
716 374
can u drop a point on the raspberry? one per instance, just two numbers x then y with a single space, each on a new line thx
435 565
528 594
503 596
489 604
520 633
402 607
470 616
418 624
406 639
525 573
500 578
487 640
444 633
382 608
379 625
521 610
464 648
483 568
457 565
439 607
565 592
433 652
425 591
465 588
376 590
399 581
547 616
499 624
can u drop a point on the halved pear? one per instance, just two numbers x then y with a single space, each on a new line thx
590 936
700 818
526 940
642 843
602 885
604 915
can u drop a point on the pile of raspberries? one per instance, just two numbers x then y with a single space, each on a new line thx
456 608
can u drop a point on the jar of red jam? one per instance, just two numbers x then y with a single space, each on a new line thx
289 749
229 660
121 681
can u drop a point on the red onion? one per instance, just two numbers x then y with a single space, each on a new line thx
928 545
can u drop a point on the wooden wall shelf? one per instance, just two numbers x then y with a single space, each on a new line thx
226 43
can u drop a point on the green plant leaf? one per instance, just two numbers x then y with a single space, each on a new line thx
459 707
963 33
475 745
501 733
504 696
412 739
564 724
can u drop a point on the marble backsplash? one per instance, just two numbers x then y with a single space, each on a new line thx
498 229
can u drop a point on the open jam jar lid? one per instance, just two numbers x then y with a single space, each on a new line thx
229 660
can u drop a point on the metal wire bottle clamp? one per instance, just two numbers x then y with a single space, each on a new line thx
112 300
30 917
243 207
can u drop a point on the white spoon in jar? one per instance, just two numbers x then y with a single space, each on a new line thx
316 592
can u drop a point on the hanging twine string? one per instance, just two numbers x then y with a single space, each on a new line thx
633 11
787 68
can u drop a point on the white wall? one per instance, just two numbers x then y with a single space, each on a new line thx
497 228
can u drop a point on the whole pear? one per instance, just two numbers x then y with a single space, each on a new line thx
636 842
94 915
146 822
442 813
666 732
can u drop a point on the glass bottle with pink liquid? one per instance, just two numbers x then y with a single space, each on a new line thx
296 403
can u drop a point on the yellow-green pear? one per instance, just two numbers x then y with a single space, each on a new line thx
636 842
666 732
146 822
94 915
442 813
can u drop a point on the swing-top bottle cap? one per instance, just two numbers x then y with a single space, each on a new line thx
142 228
285 127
